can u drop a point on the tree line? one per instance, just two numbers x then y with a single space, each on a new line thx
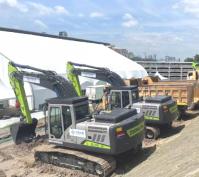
191 59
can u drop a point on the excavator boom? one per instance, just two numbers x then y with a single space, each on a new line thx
74 78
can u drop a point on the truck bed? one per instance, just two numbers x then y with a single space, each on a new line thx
185 93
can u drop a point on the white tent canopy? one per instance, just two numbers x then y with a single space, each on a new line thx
53 54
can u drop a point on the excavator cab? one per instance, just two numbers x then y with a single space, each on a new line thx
121 97
65 113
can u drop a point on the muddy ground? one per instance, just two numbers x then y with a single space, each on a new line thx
175 153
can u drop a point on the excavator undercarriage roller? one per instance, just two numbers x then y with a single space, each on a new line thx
23 132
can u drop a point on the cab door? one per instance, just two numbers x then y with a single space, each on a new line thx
69 123
56 128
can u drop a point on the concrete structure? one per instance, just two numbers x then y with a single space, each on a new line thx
170 70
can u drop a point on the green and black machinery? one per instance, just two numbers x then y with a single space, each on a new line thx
158 110
77 138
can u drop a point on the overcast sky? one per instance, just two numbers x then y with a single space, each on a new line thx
162 27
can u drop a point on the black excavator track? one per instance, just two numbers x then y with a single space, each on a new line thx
101 165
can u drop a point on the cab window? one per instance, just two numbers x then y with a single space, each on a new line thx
125 98
115 100
56 122
81 111
66 113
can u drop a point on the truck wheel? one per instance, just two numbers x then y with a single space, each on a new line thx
152 132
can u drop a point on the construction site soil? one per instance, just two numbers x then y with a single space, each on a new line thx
175 153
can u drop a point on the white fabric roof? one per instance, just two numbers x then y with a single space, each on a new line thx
53 54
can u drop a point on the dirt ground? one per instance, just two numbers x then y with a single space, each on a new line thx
175 153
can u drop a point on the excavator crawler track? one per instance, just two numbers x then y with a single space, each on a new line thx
101 165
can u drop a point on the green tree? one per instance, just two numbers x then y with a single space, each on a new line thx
189 59
196 58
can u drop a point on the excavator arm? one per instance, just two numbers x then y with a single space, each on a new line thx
20 94
103 74
18 74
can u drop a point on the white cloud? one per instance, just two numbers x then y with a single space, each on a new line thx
129 21
40 24
46 10
40 8
127 16
34 8
14 4
80 15
61 10
11 3
160 43
188 6
96 15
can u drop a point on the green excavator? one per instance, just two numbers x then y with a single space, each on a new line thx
158 110
77 139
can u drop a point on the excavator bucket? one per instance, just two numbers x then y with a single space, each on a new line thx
23 132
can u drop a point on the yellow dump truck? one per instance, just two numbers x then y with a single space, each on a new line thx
185 92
